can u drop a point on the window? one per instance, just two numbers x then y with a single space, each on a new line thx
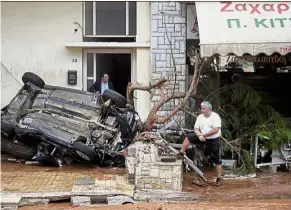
110 19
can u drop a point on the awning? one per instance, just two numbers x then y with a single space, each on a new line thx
244 28
208 50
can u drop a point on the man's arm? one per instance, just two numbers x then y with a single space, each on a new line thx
197 127
211 132
111 84
197 132
216 125
93 88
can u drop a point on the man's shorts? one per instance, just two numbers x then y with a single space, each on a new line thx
212 147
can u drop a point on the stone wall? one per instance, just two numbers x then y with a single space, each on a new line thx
147 169
168 37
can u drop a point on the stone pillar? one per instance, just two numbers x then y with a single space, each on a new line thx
147 168
168 31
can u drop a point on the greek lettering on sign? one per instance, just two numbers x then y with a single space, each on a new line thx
285 49
262 23
228 6
260 59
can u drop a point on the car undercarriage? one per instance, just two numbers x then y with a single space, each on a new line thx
53 125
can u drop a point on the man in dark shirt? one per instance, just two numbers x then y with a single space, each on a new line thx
102 85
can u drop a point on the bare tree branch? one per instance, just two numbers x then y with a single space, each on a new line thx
132 87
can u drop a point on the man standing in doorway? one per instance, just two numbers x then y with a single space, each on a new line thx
103 85
207 130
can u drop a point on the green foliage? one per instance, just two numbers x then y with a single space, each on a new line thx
243 116
248 166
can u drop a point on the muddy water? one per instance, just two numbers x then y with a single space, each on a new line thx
232 194
263 186
273 204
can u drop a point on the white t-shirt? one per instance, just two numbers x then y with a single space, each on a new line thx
205 124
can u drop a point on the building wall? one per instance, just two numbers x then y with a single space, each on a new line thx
168 36
32 39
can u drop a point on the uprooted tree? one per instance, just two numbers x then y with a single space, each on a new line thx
161 84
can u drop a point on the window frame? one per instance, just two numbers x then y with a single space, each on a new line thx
94 22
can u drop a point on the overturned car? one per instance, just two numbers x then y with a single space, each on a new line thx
54 125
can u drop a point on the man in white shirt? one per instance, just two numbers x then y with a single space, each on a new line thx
207 130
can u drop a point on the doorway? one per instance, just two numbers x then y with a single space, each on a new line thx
116 63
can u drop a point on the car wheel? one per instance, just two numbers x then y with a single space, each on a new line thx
85 152
7 129
118 99
17 149
33 78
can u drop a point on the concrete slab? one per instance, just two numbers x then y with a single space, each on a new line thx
119 200
80 201
56 196
9 207
32 201
10 200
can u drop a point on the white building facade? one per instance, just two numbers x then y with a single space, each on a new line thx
53 38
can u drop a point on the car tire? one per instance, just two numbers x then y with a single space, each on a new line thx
118 99
33 78
17 149
7 129
85 152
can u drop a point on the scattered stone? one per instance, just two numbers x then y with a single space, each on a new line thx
33 201
11 159
80 200
119 200
32 162
164 195
233 176
85 181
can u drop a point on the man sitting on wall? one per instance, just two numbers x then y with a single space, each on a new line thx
103 85
207 130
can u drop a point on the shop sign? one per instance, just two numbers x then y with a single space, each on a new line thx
244 22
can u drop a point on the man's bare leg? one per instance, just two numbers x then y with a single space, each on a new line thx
185 145
218 174
218 171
